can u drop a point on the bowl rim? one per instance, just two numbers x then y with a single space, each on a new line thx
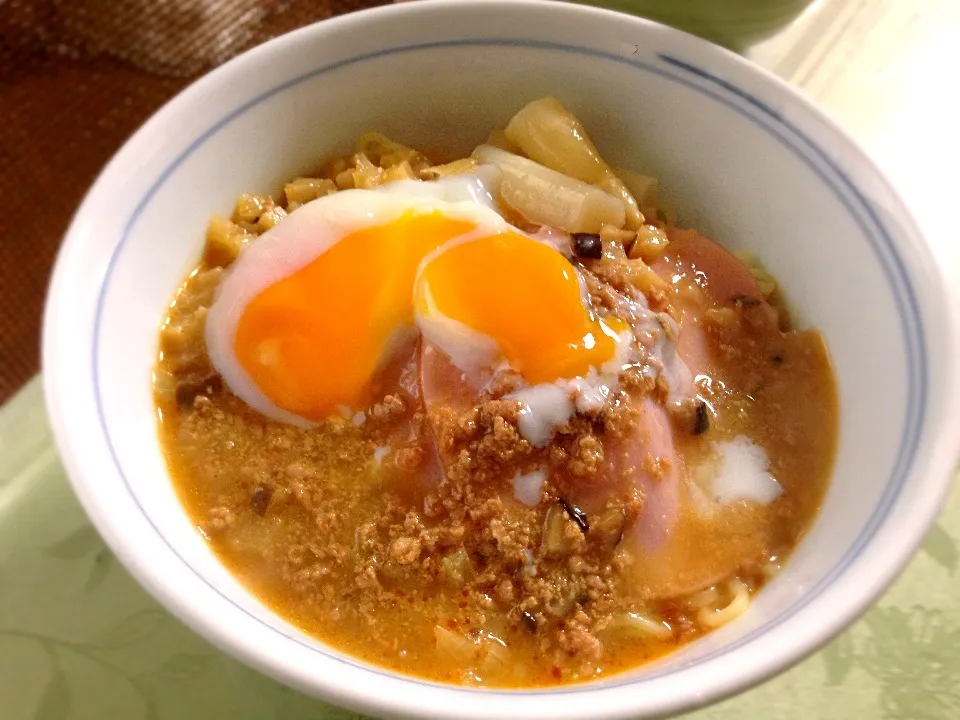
418 704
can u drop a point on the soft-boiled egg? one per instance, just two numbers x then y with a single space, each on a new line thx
311 310
507 294
307 314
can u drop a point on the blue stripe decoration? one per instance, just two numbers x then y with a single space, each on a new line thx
753 110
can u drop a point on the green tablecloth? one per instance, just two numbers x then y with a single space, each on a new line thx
80 640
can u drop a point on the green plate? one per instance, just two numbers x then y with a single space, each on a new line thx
734 23
79 639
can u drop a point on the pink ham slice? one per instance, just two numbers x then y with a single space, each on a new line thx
689 252
403 373
672 559
630 463
665 541
443 383
654 439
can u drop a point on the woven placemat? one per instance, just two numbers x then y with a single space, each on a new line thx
77 77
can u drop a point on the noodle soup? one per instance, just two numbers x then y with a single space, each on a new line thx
493 420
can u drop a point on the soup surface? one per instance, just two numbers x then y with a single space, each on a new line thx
496 421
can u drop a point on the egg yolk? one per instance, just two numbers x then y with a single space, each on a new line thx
526 296
312 341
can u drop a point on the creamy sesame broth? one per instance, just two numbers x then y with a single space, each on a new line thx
494 421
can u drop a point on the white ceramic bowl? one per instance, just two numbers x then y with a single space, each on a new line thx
744 157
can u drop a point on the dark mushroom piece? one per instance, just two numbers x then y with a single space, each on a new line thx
562 606
588 246
188 388
577 515
608 527
701 418
556 541
260 499
745 301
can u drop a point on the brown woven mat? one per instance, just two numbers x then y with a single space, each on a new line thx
76 79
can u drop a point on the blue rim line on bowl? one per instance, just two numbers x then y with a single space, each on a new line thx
757 112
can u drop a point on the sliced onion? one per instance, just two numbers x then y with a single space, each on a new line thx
547 197
646 190
548 133
454 646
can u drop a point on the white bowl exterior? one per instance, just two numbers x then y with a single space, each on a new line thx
753 177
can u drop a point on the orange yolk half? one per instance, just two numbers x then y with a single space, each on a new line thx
524 295
312 341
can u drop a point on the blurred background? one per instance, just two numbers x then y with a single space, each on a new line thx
78 76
